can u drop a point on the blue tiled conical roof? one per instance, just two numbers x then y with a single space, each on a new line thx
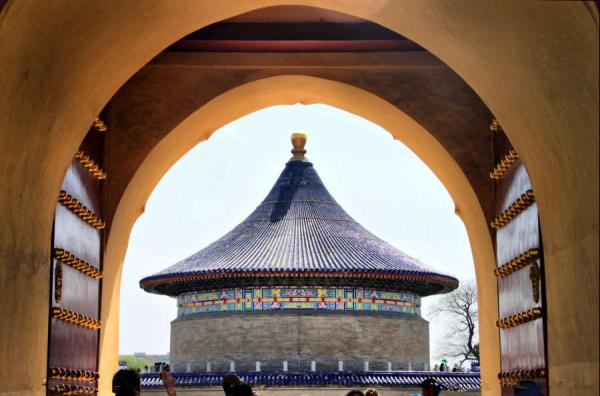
299 235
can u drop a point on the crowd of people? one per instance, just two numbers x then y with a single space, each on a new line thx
126 382
444 367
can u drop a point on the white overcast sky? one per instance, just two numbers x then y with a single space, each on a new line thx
378 180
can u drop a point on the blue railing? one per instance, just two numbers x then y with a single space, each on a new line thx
449 380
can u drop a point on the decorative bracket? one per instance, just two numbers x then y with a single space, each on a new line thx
75 318
523 202
534 276
519 318
71 260
512 378
517 263
80 210
499 170
100 125
495 125
90 165
70 389
69 374
58 280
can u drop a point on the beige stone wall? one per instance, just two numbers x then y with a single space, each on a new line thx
274 337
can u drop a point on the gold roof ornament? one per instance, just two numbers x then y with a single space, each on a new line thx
298 141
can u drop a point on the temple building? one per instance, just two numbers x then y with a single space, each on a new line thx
299 286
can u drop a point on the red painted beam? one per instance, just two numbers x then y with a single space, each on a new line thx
187 45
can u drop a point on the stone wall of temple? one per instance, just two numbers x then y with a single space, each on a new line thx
299 338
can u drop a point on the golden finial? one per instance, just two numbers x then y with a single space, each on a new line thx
298 141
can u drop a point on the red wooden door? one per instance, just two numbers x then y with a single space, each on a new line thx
77 247
519 272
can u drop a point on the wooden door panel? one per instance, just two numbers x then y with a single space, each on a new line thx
523 346
521 233
77 250
83 186
512 184
516 293
73 346
76 293
76 236
519 271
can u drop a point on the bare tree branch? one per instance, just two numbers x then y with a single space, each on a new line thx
460 310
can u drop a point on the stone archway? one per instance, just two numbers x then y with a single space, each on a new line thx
260 94
542 87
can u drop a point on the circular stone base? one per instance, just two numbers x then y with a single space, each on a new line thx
203 340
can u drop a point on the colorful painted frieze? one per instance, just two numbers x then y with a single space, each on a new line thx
297 298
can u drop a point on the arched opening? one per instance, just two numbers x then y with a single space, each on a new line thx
40 135
215 185
260 94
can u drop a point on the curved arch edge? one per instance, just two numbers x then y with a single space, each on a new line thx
292 89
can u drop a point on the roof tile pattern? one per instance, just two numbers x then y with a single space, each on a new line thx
298 229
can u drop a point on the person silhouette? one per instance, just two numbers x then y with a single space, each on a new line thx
126 382
430 387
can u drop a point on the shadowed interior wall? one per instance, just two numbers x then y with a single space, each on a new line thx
174 85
